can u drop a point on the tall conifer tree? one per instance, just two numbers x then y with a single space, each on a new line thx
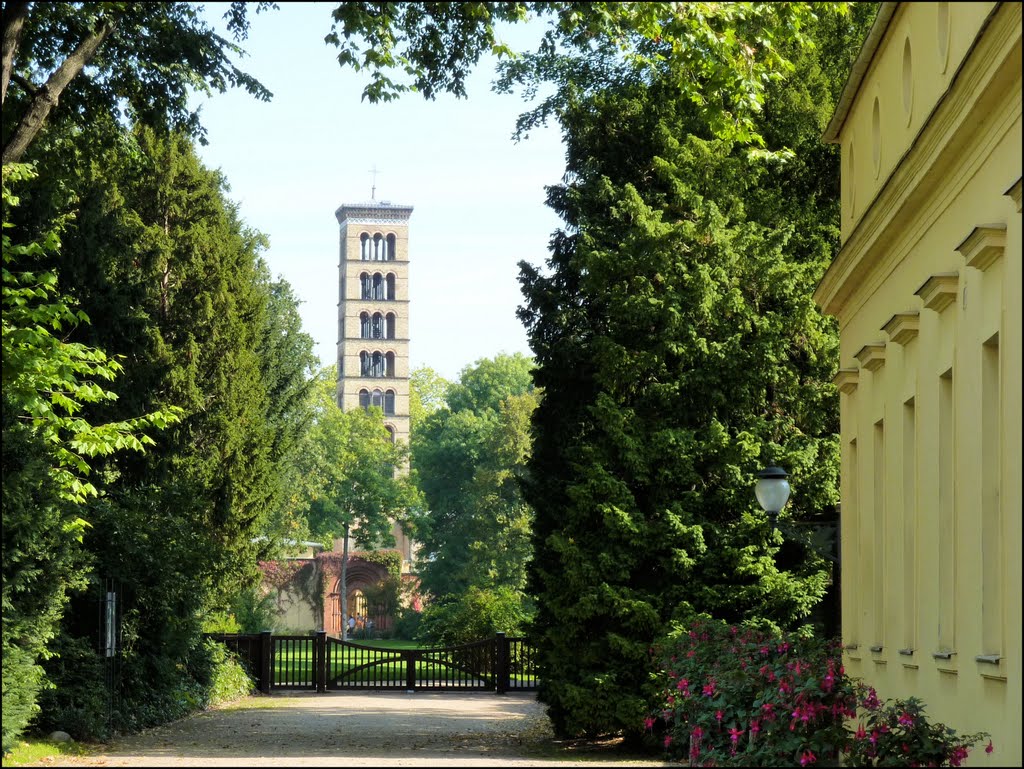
679 351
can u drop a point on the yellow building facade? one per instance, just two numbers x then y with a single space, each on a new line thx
927 292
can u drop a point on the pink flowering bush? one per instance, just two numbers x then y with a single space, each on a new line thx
734 696
896 733
731 696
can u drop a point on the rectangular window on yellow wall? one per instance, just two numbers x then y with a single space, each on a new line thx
910 522
850 521
991 514
878 529
947 515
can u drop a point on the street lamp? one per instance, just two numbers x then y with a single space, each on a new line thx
772 492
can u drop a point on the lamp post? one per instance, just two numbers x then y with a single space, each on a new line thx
772 491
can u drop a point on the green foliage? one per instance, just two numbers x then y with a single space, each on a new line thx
159 259
389 559
252 611
80 704
474 616
427 392
348 462
731 50
49 442
738 696
146 62
22 681
679 351
468 459
219 672
897 733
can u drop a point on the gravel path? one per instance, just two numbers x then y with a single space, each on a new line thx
357 729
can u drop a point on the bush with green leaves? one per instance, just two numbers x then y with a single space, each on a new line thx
474 616
728 695
896 733
219 672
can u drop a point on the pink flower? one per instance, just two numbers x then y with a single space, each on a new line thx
648 723
735 734
755 726
709 688
861 734
807 757
959 754
871 701
683 685
989 748
719 715
668 740
697 733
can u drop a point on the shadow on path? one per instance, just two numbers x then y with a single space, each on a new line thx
360 729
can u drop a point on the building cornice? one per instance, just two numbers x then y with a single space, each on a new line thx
948 129
860 68
373 213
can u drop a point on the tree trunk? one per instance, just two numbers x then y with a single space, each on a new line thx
344 588
46 96
14 20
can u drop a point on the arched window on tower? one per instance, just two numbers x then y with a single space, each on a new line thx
390 287
377 326
391 320
366 286
377 399
365 328
378 286
378 365
391 432
389 364
389 403
364 399
364 364
391 248
378 247
364 247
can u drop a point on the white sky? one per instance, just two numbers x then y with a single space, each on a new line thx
478 196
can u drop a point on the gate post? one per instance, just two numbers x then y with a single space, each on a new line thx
501 663
320 656
411 655
266 661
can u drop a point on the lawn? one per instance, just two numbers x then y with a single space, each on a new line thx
379 661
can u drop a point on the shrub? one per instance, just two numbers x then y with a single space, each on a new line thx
220 673
407 623
737 696
79 703
731 696
896 733
474 616
22 679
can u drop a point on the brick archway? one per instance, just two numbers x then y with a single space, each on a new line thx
361 575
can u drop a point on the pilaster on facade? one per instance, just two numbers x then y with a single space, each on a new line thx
1013 193
902 327
871 356
984 246
846 380
939 291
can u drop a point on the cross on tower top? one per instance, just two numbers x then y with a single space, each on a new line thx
373 189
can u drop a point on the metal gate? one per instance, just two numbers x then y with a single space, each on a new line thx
320 662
